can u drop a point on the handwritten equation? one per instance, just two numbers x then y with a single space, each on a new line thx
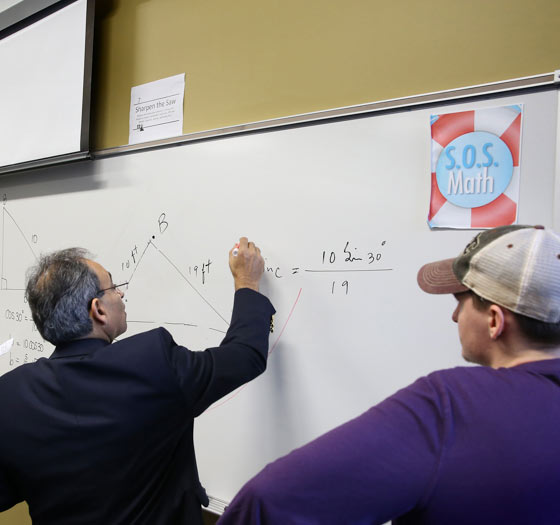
31 345
345 260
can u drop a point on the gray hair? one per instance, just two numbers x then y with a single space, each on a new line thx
59 290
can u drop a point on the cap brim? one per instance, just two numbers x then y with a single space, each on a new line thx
438 277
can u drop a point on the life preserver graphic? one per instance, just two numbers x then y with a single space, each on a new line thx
475 168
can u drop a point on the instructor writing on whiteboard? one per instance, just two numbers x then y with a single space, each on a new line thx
102 431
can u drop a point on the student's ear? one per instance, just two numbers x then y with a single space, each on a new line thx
97 311
496 321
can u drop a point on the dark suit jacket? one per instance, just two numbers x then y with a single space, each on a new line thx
103 433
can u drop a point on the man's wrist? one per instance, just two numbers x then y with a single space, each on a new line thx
246 284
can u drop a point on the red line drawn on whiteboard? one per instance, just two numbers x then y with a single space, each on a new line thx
241 388
285 324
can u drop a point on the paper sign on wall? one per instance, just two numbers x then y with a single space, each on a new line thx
156 110
475 168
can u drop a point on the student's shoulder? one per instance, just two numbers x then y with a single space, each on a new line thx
459 375
471 382
439 384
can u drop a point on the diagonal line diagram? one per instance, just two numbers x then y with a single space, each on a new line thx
179 272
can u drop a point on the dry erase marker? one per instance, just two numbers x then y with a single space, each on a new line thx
235 250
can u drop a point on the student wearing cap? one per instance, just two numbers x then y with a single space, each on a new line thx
468 445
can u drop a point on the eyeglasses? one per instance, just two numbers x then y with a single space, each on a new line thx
117 287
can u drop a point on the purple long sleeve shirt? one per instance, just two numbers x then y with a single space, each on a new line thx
469 445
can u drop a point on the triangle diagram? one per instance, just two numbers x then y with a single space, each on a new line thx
160 293
17 253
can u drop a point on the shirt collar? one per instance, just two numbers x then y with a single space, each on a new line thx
542 366
78 347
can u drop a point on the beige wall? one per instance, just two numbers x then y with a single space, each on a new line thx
18 515
258 59
252 60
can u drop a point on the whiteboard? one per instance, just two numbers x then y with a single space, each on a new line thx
46 73
316 199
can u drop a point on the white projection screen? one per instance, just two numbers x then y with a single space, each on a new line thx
45 83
